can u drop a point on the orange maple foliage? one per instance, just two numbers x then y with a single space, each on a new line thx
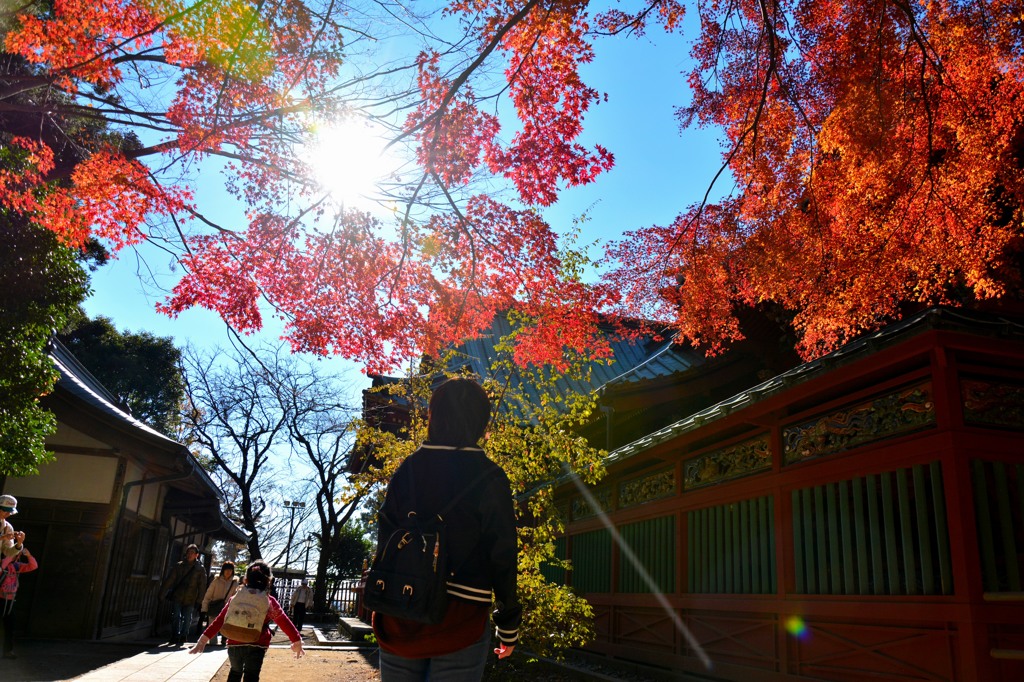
876 149
878 152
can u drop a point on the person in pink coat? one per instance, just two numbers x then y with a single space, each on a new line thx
246 658
11 568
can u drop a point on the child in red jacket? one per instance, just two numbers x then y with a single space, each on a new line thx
246 658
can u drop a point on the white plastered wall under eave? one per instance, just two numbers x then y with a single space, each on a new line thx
142 499
71 478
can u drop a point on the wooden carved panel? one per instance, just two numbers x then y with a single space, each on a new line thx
889 415
726 463
991 403
581 508
647 488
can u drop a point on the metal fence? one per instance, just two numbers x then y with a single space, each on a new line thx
341 594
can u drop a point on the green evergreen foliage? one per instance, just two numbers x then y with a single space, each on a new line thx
41 286
351 549
141 369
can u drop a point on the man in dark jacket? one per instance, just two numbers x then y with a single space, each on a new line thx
184 587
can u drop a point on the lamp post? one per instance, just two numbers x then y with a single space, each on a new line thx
305 566
291 506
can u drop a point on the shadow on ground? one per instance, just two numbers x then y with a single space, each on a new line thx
56 660
370 655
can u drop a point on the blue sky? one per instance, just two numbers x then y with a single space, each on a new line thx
658 172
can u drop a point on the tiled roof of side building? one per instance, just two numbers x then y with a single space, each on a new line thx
79 382
631 360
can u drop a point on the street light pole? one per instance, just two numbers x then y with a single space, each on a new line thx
305 566
291 506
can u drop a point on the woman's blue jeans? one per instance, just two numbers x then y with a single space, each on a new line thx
464 665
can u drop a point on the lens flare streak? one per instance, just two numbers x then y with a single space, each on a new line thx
644 575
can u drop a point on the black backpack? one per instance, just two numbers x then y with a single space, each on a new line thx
409 575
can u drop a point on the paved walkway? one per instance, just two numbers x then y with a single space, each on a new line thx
41 660
161 665
150 660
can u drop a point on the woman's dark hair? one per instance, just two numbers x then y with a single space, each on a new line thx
258 575
226 565
459 413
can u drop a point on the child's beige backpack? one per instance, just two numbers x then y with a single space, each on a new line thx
247 611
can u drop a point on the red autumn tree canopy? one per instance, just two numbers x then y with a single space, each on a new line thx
876 149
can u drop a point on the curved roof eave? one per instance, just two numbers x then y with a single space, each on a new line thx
77 382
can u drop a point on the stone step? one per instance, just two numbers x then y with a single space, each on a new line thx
355 629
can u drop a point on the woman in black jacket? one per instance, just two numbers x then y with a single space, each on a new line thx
481 540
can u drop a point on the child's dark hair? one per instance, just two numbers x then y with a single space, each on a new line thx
459 413
258 576
226 565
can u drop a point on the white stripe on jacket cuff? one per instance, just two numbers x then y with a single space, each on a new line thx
507 636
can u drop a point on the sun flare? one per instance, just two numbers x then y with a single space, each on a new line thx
349 159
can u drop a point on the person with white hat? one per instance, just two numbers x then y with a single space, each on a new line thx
11 541
10 570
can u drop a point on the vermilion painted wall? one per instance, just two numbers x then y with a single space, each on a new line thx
929 424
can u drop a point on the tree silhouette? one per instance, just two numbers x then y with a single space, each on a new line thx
236 424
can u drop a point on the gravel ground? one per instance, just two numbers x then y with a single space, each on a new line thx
522 666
